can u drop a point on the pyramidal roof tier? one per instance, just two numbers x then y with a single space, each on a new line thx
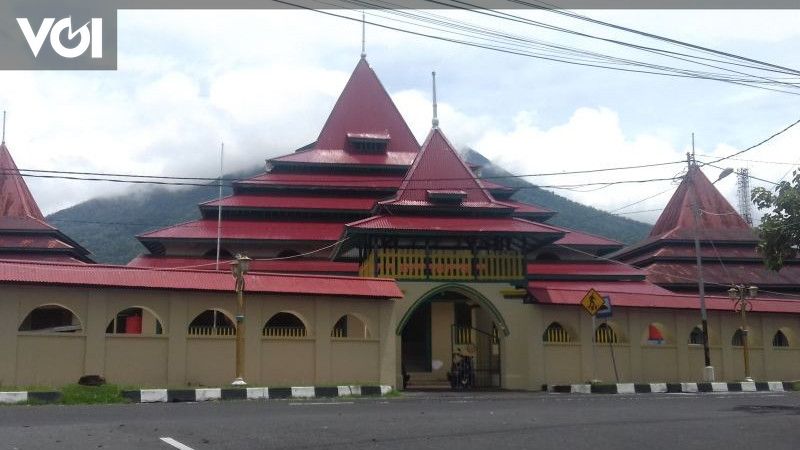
24 233
18 209
364 128
440 179
718 220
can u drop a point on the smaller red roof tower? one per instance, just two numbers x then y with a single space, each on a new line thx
24 233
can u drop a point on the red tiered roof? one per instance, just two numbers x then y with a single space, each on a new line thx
643 294
23 230
718 220
439 224
298 202
552 270
250 230
439 168
17 272
367 181
579 238
728 244
284 265
16 200
528 210
364 108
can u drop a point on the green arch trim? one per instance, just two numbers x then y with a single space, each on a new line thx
461 289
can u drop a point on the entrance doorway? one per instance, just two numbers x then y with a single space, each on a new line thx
440 332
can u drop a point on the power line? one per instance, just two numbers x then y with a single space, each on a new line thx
754 145
554 9
361 179
662 70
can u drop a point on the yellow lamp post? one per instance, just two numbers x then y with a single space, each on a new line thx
239 268
741 297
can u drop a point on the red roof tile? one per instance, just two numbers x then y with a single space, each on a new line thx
718 221
453 224
338 156
439 168
193 280
364 107
725 274
32 242
579 238
543 269
327 180
642 294
289 202
251 229
15 199
283 266
527 209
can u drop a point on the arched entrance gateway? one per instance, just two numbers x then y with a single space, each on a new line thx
446 325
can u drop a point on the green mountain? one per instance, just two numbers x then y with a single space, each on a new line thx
570 214
108 226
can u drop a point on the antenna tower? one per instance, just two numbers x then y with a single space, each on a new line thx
743 192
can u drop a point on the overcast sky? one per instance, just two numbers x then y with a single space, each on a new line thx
264 82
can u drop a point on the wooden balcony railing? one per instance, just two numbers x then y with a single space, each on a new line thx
411 264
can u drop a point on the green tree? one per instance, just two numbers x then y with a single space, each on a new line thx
780 227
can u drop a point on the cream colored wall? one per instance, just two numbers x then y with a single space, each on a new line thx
528 362
176 359
676 359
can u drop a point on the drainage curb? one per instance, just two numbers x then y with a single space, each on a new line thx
693 388
251 393
25 396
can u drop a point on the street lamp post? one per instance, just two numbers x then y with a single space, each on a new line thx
741 297
239 268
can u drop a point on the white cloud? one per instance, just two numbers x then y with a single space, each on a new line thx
264 81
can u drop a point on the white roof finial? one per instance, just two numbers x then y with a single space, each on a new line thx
435 121
363 35
4 127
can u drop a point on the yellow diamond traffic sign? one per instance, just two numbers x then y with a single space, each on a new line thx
592 302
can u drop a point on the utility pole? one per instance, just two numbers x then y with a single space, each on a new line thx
708 371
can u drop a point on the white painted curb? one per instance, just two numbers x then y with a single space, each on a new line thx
689 387
775 386
580 389
13 397
625 388
719 387
153 395
658 388
257 393
303 392
748 386
203 395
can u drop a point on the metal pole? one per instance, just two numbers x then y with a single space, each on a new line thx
219 204
745 343
708 372
594 350
240 330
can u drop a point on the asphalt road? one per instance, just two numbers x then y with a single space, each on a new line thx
485 421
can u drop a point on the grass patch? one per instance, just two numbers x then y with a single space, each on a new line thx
394 393
75 394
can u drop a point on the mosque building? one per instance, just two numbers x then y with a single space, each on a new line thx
379 260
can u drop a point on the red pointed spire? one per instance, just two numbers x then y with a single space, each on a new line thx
16 200
438 168
718 219
364 107
364 110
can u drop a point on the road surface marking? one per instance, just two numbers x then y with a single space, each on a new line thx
320 403
176 444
